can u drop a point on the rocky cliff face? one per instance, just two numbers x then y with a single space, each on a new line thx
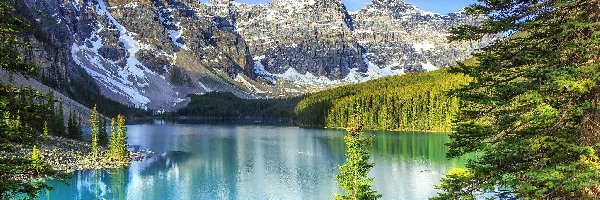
152 53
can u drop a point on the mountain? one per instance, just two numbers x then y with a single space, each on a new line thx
153 53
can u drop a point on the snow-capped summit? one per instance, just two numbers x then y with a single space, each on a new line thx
151 53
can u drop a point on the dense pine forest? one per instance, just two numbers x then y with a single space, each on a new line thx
226 105
532 110
418 101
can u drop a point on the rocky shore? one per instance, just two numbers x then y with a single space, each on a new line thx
67 155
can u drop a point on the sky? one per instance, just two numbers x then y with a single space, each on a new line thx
436 6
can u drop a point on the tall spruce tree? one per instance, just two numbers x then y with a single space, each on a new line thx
46 133
51 107
112 145
118 140
103 135
122 139
60 120
79 126
530 110
353 177
95 126
73 127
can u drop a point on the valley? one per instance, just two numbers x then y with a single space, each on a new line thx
299 99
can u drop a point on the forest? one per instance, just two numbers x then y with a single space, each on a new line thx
418 101
226 105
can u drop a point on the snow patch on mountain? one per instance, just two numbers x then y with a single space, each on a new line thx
308 78
130 79
260 70
242 79
92 63
206 89
424 46
428 67
174 30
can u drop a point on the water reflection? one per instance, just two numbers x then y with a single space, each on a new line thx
259 162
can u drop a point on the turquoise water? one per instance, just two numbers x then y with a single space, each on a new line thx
202 161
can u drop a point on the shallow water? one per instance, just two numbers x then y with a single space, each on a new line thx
203 161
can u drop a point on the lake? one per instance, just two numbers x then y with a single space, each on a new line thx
219 161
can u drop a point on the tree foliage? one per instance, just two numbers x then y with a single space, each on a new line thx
227 105
411 102
46 132
118 140
529 110
23 111
103 135
60 119
353 177
74 127
95 126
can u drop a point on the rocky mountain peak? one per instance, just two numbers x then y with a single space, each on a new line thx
220 2
395 8
152 53
388 3
129 3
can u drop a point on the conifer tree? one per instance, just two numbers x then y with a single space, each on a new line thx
103 135
118 140
36 160
524 112
95 126
71 126
112 146
46 134
22 110
60 120
122 138
353 177
52 113
79 126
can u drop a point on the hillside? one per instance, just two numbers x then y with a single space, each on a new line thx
418 101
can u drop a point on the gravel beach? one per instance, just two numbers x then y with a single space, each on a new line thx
67 155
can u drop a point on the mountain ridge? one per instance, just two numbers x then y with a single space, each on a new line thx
153 53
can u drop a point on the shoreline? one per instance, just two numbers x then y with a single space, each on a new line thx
67 155
268 119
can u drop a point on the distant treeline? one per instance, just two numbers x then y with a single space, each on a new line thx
227 105
418 101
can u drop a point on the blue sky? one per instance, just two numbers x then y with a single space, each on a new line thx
437 6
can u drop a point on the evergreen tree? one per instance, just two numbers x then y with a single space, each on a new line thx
122 139
353 174
95 126
22 109
38 164
112 146
530 110
46 134
60 120
79 126
118 140
73 127
70 126
52 118
103 135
